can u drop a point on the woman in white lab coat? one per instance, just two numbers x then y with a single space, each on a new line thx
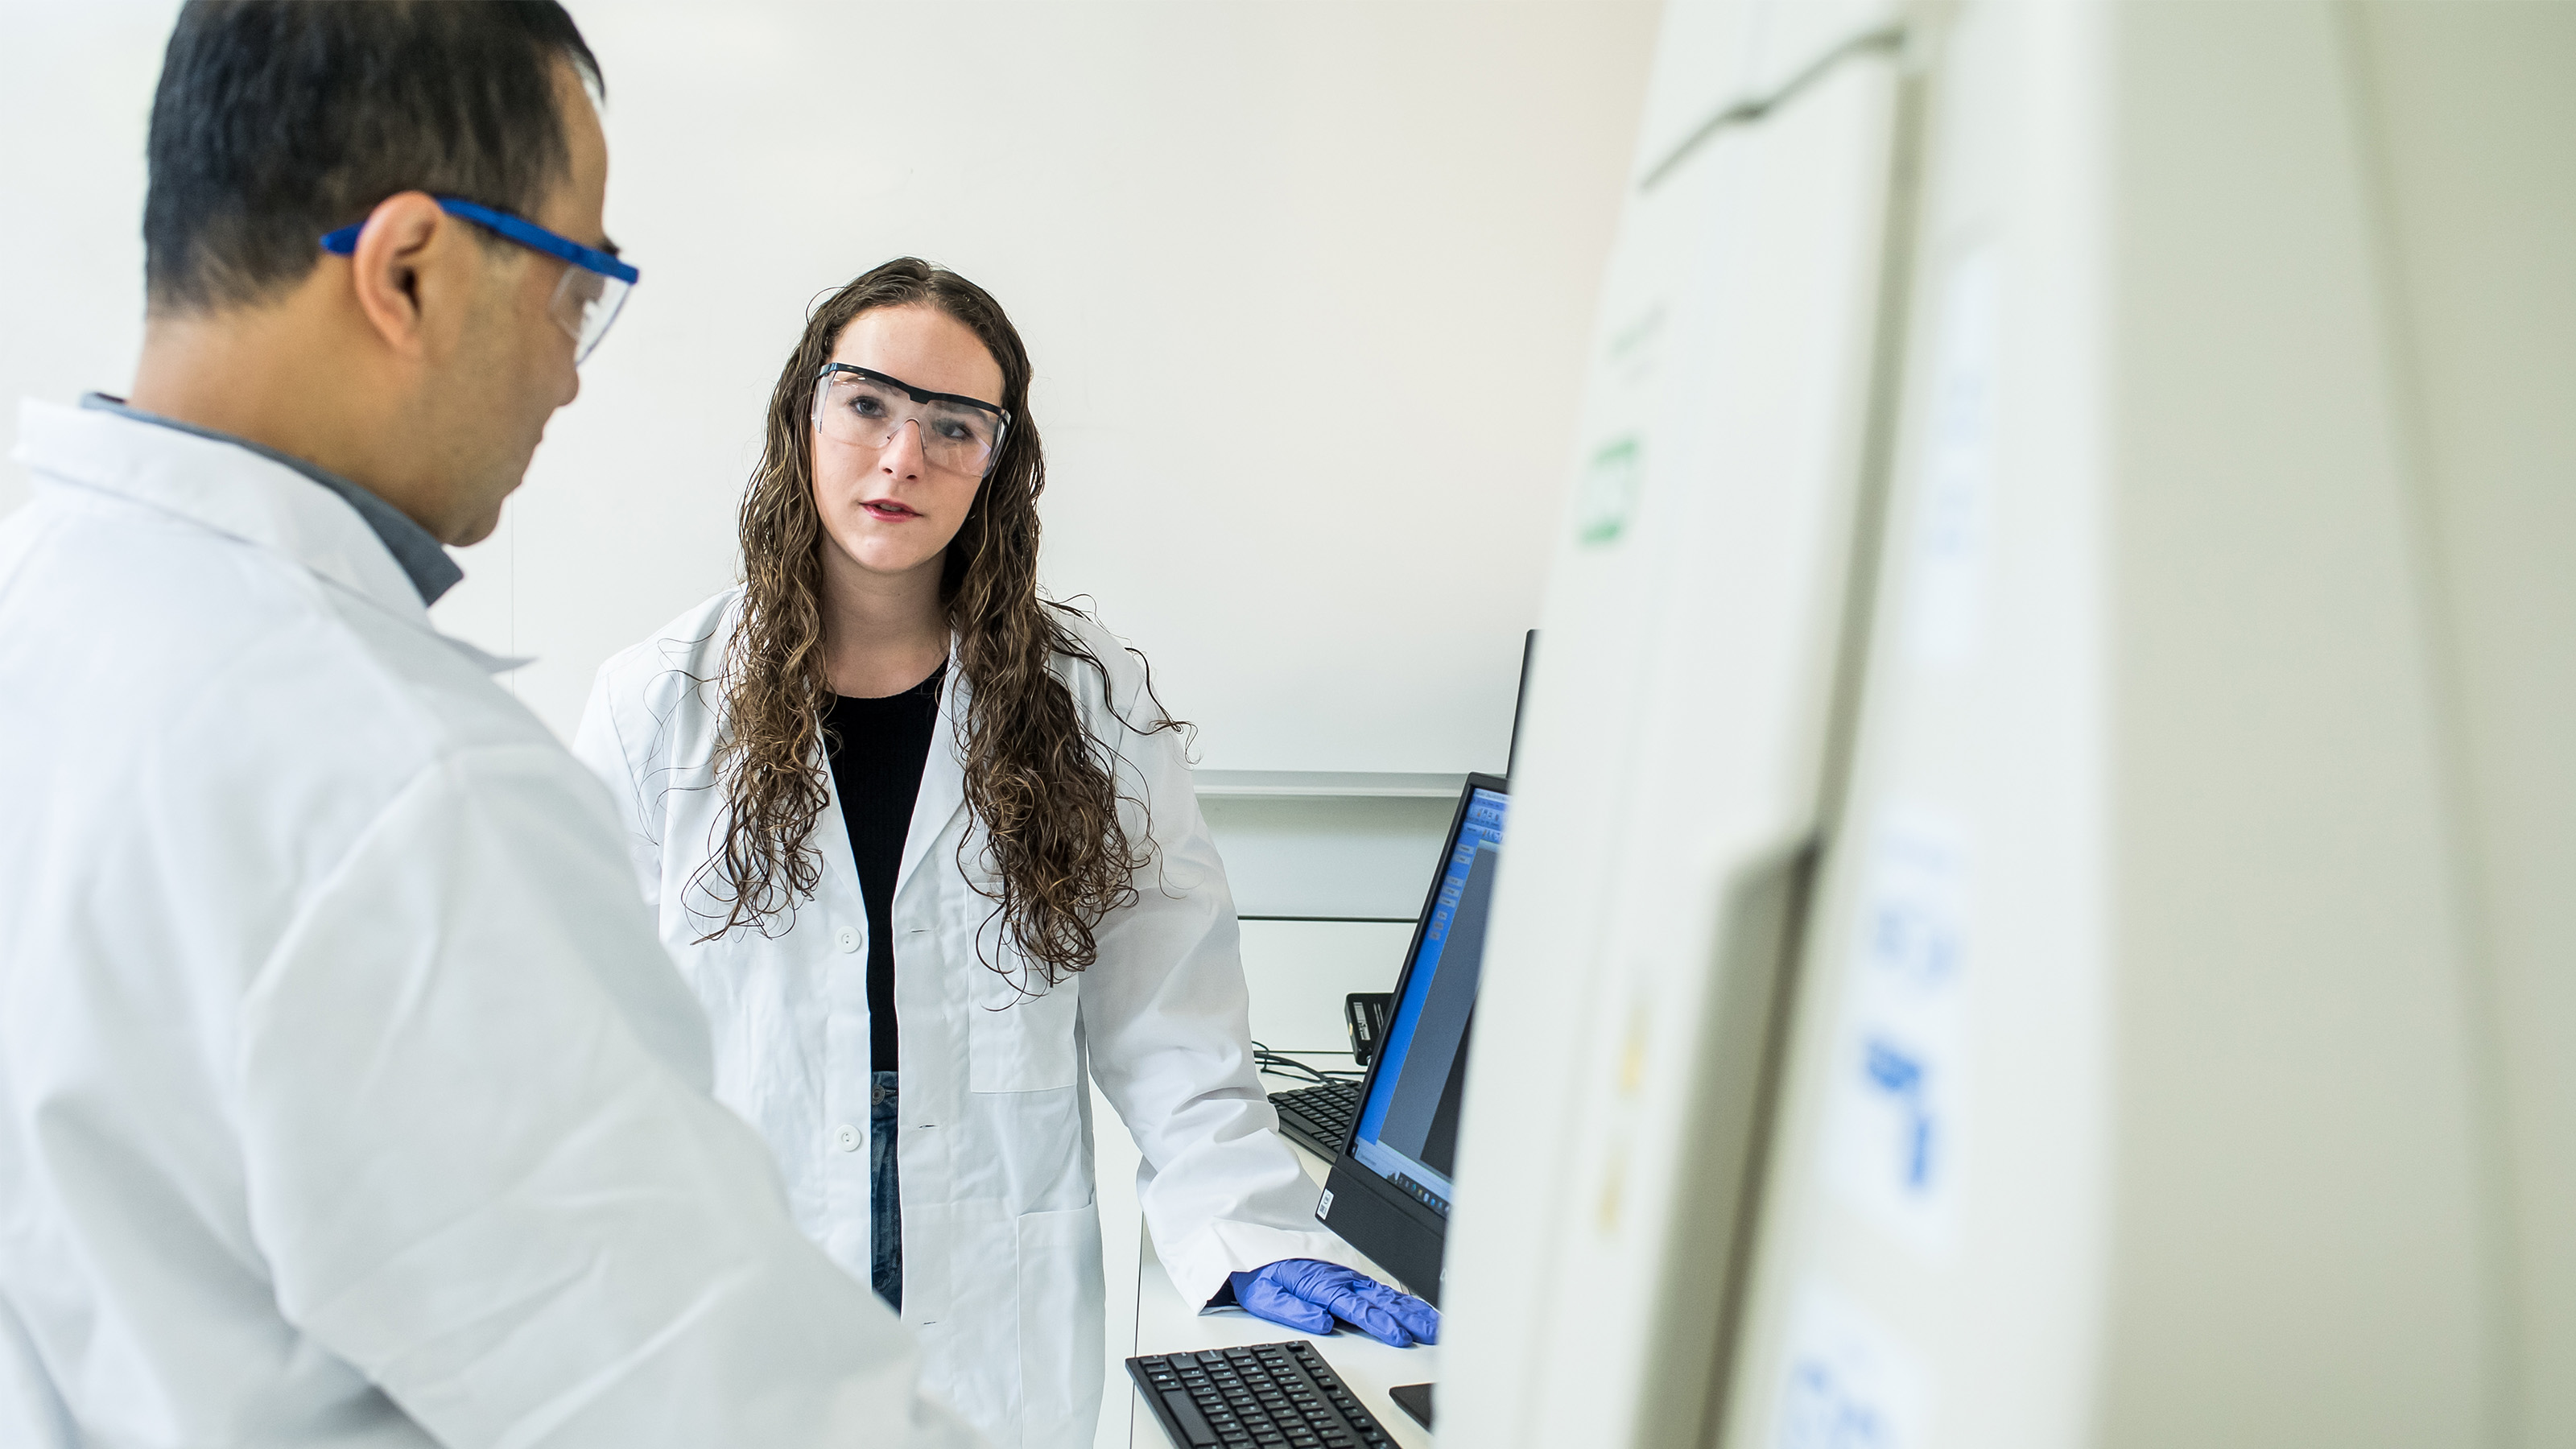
925 845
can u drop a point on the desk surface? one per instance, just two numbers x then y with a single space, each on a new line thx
1164 1324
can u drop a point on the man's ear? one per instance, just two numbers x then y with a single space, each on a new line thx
402 240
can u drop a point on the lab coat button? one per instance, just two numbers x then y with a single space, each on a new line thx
846 1137
849 939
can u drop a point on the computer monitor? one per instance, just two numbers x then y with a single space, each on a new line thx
1520 702
1389 1191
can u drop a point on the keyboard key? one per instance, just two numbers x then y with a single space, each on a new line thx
1192 1424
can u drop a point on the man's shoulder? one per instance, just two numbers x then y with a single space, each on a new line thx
342 657
197 718
227 647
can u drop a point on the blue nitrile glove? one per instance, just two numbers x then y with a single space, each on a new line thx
1307 1294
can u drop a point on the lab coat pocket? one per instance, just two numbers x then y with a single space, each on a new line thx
1062 1342
1016 1042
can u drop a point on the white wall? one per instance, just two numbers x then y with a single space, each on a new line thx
75 88
1307 285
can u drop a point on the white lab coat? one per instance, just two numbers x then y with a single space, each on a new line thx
346 1095
1001 1240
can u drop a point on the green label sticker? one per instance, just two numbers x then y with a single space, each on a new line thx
1608 492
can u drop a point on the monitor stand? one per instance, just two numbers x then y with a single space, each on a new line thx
1414 1399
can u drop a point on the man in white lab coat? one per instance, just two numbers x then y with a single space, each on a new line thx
346 1095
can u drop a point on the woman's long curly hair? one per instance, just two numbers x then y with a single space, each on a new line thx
1042 788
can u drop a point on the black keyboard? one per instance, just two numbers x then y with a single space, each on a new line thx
1319 1118
1268 1396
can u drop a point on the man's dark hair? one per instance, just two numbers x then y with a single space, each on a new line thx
279 120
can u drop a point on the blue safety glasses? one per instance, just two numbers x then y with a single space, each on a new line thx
586 300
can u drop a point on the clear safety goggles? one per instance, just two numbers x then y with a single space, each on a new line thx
586 298
866 409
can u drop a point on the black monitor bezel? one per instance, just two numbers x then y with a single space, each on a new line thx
1366 1211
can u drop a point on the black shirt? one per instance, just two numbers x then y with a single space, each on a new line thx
878 748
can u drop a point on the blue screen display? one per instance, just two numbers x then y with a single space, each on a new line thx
1408 1129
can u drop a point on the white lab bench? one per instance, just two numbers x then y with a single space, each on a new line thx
1297 973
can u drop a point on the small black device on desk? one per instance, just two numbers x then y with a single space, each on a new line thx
1318 1118
1414 1399
1364 1012
1238 1398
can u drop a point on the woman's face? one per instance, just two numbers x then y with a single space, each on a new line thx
889 510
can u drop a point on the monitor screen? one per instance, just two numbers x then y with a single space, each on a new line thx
1389 1191
1408 1127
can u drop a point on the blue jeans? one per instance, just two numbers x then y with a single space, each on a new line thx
885 1200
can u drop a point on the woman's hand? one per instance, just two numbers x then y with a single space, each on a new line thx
1307 1294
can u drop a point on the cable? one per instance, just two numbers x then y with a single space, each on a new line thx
1285 1064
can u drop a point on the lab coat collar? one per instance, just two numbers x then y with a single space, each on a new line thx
423 558
230 489
943 775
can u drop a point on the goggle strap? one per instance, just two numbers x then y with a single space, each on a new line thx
908 390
